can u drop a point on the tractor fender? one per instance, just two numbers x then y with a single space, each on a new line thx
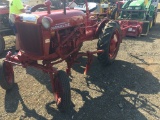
100 26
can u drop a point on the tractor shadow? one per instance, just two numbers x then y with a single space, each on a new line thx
122 86
13 98
151 37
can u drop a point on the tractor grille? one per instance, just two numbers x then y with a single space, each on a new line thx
30 38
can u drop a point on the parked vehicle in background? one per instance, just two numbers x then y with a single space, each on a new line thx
104 8
140 15
4 23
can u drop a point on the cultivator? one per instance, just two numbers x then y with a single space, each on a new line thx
58 35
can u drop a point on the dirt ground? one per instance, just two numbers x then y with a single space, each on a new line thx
129 89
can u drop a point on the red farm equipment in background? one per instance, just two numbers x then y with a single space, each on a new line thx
137 17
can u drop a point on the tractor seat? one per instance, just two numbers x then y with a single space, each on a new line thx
91 6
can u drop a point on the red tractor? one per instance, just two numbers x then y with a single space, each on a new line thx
4 24
56 36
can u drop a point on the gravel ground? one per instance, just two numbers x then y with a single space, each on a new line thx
129 89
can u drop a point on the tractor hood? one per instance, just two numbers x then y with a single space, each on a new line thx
58 18
137 3
56 15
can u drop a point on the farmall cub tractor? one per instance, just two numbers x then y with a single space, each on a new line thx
56 36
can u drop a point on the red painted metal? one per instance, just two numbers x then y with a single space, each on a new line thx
131 27
66 34
48 3
119 5
113 45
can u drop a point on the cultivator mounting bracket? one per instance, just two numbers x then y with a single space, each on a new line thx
73 60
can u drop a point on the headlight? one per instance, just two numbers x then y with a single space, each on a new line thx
12 17
46 22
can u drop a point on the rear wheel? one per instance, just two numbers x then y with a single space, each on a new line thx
62 92
2 45
109 41
6 75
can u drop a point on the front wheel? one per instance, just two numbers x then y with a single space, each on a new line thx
61 91
6 75
109 41
2 45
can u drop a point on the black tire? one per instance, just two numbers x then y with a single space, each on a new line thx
62 88
104 42
6 75
2 45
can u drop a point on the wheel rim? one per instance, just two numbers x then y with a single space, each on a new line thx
8 72
113 45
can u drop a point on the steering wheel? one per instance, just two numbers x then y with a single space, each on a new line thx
34 8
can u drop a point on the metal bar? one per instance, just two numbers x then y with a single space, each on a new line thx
64 5
79 55
133 10
13 62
